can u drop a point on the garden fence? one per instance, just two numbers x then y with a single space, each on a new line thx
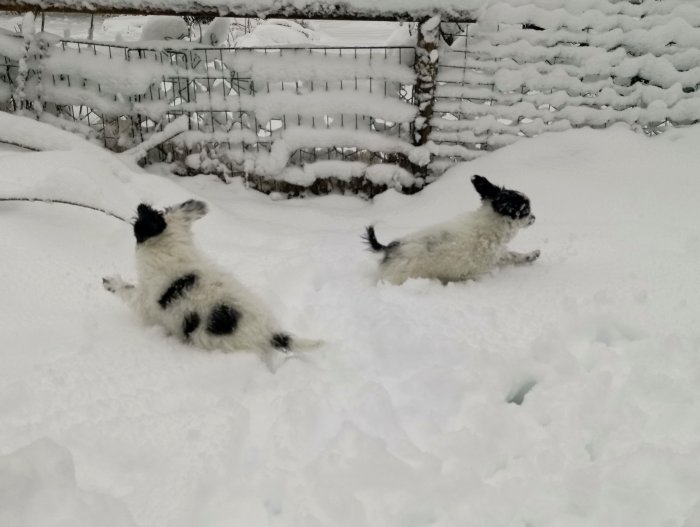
361 119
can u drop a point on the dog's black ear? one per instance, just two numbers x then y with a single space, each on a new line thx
144 208
149 223
485 188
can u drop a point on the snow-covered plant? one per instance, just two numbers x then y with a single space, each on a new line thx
276 33
164 28
28 33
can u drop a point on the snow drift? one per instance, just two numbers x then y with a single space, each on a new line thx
562 394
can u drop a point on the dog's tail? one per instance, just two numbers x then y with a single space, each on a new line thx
285 343
372 241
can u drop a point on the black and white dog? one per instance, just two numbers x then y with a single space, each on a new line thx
463 248
189 296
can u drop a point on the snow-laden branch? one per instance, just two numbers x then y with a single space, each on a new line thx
170 131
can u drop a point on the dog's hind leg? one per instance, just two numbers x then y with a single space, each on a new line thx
286 343
515 258
304 344
286 347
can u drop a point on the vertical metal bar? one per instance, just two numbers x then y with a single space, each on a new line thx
370 77
357 124
385 80
223 74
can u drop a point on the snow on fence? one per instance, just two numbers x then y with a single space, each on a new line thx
528 67
363 119
289 119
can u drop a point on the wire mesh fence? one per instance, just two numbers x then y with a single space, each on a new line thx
500 82
352 118
252 111
228 92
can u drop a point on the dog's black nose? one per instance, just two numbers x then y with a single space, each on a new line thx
532 219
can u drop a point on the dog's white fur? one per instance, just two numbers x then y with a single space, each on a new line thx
162 259
460 249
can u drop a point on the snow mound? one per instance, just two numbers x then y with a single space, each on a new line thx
560 394
38 489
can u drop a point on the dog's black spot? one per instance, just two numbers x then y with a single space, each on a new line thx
190 323
149 223
223 320
281 341
512 204
177 289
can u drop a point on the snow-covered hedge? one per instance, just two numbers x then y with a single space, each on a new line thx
533 66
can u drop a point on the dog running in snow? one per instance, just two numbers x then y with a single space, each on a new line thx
463 248
179 289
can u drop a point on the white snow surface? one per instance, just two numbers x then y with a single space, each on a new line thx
402 418
38 487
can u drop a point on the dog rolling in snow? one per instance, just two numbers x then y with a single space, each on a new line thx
463 248
189 296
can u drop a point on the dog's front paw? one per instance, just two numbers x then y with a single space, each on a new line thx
112 283
533 255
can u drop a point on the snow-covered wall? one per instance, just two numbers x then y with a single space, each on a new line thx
528 67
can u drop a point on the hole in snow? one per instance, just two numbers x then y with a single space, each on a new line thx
518 393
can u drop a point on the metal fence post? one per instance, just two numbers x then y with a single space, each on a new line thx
426 68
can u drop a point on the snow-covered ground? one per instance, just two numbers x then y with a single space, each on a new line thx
403 417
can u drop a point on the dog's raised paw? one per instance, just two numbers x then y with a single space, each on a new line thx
107 284
112 283
534 255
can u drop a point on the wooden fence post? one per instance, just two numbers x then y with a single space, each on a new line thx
426 68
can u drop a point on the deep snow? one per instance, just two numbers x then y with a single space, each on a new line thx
402 418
